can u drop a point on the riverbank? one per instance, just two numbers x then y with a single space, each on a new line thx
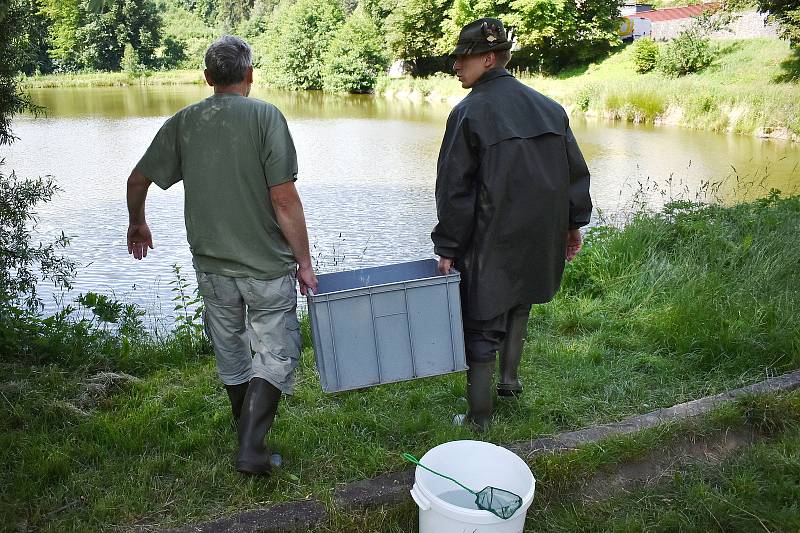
114 430
747 90
114 79
750 89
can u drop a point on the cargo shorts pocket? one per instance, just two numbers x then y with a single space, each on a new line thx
292 326
222 290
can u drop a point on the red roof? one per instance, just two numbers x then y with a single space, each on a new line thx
675 13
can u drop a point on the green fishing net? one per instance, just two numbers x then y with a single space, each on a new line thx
500 502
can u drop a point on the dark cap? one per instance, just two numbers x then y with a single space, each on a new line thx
483 35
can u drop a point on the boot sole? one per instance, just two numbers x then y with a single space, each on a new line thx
253 469
509 393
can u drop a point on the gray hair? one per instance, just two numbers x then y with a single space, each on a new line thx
227 60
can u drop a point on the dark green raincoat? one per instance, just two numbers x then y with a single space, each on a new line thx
510 181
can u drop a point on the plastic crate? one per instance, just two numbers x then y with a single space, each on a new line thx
386 324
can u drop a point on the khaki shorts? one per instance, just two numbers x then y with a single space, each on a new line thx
253 326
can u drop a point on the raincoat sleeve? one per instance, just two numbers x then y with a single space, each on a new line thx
580 203
456 189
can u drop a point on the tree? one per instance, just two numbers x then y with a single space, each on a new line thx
102 38
462 12
65 18
13 27
787 14
414 28
355 57
232 13
21 262
295 43
557 33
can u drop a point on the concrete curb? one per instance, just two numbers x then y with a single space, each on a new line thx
394 487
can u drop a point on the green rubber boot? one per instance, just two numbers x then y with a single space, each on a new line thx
511 353
479 395
258 412
236 394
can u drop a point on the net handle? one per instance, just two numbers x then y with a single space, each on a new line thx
411 458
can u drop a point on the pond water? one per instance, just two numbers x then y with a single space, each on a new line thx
367 173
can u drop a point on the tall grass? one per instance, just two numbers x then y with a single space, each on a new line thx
716 288
113 79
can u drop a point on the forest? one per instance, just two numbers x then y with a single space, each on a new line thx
336 45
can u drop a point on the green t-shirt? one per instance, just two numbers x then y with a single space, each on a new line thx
228 150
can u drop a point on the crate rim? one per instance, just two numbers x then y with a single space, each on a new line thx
447 277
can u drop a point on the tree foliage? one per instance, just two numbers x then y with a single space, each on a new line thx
462 12
558 33
293 47
14 25
103 36
291 38
787 14
64 18
414 28
355 56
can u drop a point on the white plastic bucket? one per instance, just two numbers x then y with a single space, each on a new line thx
477 465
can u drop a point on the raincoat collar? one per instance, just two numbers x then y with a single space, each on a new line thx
491 75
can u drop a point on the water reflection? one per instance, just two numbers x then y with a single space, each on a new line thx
367 173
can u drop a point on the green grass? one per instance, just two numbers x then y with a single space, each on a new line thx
756 485
757 489
671 307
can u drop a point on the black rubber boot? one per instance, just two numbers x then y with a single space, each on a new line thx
511 353
258 413
479 394
236 394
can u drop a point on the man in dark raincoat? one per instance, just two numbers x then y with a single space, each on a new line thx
512 189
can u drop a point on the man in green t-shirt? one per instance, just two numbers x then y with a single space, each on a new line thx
247 233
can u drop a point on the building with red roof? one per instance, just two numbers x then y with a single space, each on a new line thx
677 13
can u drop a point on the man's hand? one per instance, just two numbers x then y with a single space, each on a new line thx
139 240
445 264
574 243
307 279
139 236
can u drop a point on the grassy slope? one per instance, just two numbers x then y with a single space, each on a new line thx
741 92
671 308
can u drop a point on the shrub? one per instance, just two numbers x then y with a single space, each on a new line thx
355 57
22 262
689 52
645 54
130 62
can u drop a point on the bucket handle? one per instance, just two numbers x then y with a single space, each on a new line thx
422 502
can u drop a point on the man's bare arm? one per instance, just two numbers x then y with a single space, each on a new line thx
292 220
139 236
